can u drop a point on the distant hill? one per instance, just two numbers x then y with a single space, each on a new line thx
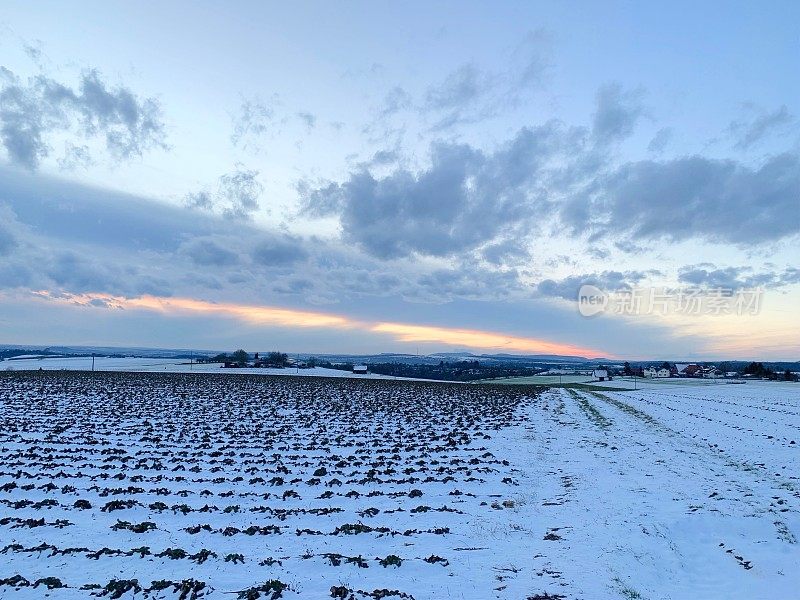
544 360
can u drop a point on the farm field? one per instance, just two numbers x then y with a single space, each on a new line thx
123 485
542 380
130 364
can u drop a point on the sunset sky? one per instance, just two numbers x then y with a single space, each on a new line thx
398 177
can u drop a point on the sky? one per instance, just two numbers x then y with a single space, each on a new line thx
363 177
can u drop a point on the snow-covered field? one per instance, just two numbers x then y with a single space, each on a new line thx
282 487
160 365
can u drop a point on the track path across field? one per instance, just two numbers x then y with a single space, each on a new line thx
665 494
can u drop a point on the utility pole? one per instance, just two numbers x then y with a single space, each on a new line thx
92 362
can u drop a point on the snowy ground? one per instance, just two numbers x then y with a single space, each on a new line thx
340 488
160 365
542 380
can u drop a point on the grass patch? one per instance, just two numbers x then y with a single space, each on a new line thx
591 412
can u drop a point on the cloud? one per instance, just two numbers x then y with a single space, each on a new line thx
470 94
719 201
294 285
207 253
203 200
257 315
308 119
78 238
80 274
733 278
530 61
236 195
660 140
14 274
7 241
279 251
617 113
567 288
240 191
504 251
460 87
464 199
31 111
251 122
444 285
75 238
396 99
320 199
748 133
75 157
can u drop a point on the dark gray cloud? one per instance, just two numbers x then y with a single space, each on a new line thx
466 197
466 282
82 239
208 253
707 275
384 157
618 111
750 132
15 275
72 238
294 285
81 274
568 287
279 251
323 201
503 252
720 201
68 212
31 111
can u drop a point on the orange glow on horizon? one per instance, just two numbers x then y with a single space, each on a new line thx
284 317
477 339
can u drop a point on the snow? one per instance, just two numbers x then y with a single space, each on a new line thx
673 492
166 365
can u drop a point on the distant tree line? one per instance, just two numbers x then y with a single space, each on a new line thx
241 358
468 370
757 369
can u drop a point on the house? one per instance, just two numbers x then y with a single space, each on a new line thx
360 369
601 374
657 373
691 370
